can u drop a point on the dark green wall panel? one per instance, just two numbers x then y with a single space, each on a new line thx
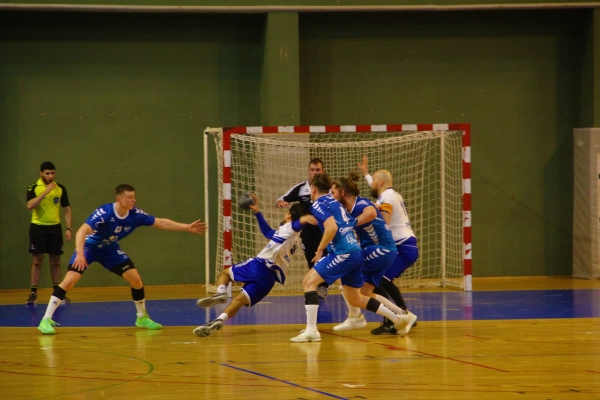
120 98
511 75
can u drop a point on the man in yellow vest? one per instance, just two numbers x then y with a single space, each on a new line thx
44 198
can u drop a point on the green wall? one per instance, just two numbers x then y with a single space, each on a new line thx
512 75
113 98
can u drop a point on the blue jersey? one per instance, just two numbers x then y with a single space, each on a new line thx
375 232
345 238
108 227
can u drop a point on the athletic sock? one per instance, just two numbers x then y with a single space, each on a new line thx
224 317
222 289
34 289
140 306
390 305
394 293
52 306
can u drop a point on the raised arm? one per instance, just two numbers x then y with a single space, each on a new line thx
363 167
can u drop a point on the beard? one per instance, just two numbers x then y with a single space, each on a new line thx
374 193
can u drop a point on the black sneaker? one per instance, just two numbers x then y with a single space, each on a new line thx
32 298
66 300
386 328
210 326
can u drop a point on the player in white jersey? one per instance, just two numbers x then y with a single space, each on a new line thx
392 208
260 273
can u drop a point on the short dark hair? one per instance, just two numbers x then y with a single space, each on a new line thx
297 210
122 188
47 165
348 184
316 161
321 182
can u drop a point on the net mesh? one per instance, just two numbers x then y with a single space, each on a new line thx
427 171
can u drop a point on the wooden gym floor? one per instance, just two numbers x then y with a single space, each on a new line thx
512 338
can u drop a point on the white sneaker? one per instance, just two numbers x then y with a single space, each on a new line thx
351 323
307 336
210 326
218 298
401 322
412 318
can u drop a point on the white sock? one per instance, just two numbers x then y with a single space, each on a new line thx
353 311
52 306
386 312
390 305
311 317
224 317
140 306
221 289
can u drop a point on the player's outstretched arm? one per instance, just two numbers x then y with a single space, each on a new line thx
254 207
197 227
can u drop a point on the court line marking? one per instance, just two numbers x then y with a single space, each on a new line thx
392 347
282 381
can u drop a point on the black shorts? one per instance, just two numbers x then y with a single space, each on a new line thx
45 239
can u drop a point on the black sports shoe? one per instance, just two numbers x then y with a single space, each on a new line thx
66 300
210 326
386 328
32 298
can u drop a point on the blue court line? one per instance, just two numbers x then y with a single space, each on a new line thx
428 306
282 381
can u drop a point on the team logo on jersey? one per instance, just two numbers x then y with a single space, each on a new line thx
55 200
345 230
127 228
118 229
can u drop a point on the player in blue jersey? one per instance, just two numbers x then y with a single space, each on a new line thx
344 260
377 242
260 273
97 240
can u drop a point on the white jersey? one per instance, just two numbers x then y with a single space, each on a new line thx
277 253
392 202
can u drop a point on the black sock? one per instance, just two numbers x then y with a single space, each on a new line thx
34 289
394 293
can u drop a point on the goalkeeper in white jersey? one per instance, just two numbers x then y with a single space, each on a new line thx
392 208
260 273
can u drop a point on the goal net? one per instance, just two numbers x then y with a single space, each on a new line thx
430 165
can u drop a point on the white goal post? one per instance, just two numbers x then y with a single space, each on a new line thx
430 165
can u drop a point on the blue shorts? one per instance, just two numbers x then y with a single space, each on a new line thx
108 258
408 254
257 278
347 266
376 261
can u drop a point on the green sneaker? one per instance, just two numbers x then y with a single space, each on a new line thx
146 322
47 326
